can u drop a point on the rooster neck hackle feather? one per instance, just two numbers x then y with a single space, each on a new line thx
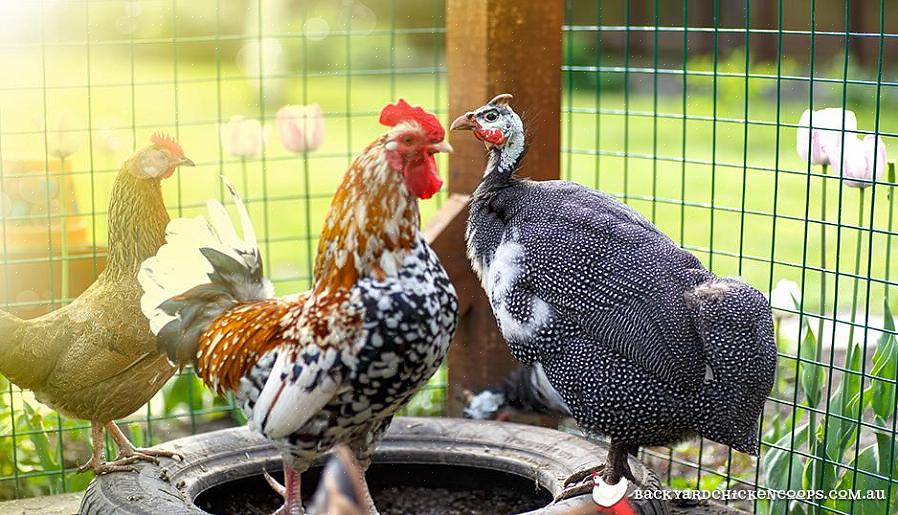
371 226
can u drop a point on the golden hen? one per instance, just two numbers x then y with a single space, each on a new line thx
96 359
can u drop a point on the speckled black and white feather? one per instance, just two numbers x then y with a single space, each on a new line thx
409 321
642 342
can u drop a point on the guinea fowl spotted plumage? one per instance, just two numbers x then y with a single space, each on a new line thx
642 342
333 364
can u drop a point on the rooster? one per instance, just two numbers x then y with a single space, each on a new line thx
95 358
642 342
333 364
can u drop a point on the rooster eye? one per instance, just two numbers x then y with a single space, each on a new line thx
491 116
408 140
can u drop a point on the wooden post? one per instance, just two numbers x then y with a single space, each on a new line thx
493 46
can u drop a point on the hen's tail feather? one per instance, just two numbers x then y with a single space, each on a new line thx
8 325
203 269
736 326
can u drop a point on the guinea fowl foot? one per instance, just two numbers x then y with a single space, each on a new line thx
580 483
611 472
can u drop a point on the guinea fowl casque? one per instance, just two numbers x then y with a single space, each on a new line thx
642 342
95 358
333 364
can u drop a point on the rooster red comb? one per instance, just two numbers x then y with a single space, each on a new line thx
163 140
394 114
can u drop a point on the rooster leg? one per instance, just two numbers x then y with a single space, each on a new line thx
128 454
97 461
290 491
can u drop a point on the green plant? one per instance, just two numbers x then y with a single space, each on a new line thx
837 460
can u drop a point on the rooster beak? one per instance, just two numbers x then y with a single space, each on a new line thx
186 162
464 122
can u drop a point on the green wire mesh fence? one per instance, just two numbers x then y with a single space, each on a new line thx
94 79
689 112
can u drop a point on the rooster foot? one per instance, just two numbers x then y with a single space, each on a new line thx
290 491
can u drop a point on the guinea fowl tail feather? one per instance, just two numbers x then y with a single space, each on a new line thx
203 269
736 327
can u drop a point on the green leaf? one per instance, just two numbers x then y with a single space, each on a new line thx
885 366
812 376
37 435
887 451
873 459
776 463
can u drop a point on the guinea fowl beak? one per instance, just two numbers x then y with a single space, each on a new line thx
464 122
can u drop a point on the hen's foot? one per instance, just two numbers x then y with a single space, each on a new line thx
102 467
97 461
128 454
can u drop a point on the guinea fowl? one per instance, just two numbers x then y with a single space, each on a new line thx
95 358
333 364
642 342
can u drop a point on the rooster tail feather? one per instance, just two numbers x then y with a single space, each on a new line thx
204 269
735 324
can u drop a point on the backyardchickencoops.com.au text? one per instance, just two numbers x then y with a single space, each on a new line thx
771 494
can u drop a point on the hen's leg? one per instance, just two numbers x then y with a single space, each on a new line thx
97 461
290 490
128 454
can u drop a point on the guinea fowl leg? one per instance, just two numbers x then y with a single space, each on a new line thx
97 461
128 454
615 467
290 491
618 463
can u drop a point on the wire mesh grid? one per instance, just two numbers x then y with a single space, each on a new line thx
95 78
689 112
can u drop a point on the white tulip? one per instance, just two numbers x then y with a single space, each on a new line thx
825 133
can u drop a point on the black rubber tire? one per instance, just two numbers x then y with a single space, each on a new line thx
546 456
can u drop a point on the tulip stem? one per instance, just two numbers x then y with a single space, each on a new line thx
821 320
857 268
64 236
245 178
891 178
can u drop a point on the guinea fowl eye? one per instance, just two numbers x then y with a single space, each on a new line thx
491 116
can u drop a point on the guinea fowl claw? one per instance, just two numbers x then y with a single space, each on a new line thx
579 483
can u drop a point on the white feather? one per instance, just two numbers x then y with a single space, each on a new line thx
179 265
285 405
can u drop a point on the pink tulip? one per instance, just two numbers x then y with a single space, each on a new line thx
244 137
859 159
301 128
826 133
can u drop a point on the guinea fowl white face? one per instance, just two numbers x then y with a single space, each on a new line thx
498 127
